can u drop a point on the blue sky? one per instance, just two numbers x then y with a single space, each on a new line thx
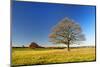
33 21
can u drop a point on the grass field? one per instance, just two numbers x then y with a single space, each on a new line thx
27 56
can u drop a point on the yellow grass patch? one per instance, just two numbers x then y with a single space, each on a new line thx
31 56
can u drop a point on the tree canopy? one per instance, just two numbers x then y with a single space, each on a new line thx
66 32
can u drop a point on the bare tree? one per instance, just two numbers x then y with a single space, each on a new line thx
66 32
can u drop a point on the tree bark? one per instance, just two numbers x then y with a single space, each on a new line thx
68 47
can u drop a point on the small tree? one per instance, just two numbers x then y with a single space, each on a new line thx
34 45
66 32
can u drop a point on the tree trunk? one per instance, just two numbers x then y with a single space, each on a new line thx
68 47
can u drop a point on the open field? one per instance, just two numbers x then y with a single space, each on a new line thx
27 56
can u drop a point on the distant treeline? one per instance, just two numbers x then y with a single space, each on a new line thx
59 47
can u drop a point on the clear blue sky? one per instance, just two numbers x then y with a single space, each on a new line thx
33 21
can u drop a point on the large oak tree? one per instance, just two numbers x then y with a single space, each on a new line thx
66 32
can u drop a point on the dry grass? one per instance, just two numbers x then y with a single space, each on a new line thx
48 56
